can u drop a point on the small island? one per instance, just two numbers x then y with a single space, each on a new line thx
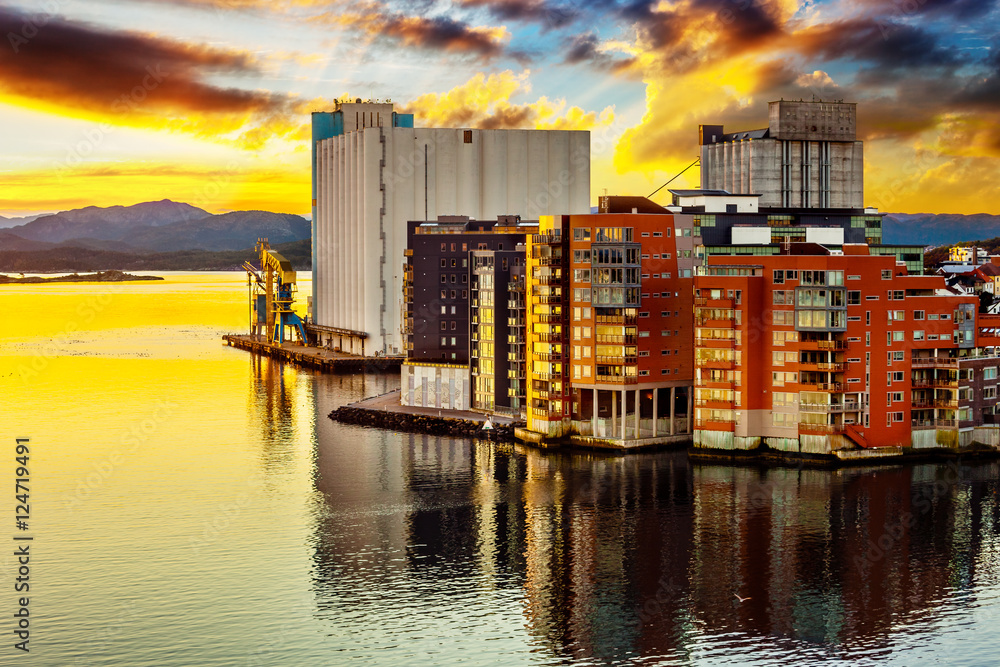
99 277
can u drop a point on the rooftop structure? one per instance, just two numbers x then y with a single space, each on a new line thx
807 157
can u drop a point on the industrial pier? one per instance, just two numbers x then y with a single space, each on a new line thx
314 357
271 290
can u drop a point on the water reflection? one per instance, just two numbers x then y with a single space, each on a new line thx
611 558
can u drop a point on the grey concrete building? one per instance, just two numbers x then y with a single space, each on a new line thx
807 157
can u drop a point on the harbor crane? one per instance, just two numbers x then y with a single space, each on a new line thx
271 295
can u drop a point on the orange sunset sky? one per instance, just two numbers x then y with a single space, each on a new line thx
207 101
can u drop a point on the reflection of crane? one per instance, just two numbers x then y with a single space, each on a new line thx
271 295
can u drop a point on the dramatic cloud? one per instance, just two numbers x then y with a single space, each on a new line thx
547 15
442 33
586 48
484 102
134 79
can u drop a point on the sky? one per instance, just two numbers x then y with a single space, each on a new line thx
108 102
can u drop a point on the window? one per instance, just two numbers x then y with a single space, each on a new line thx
581 234
444 293
444 247
918 314
465 294
453 247
467 136
899 355
898 335
444 278
853 297
918 335
454 325
453 293
444 325
990 392
898 315
779 277
990 373
886 274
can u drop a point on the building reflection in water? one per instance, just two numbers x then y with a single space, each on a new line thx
616 557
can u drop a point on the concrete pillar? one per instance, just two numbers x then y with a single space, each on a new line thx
656 409
614 413
638 413
690 410
624 411
593 415
672 401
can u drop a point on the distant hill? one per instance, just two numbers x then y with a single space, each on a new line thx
151 227
14 222
228 231
69 259
113 223
938 229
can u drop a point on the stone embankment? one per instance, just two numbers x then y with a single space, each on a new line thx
400 421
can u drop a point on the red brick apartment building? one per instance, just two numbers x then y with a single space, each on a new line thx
814 352
610 347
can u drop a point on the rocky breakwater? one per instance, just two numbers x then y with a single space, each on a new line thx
415 423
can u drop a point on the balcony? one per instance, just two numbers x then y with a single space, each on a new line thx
547 298
616 379
715 424
549 261
716 364
934 362
548 356
945 404
823 386
919 383
549 337
825 366
408 252
711 342
715 403
548 318
933 423
623 360
822 345
549 280
721 302
615 319
829 407
620 340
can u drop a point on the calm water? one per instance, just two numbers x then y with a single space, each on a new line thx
194 505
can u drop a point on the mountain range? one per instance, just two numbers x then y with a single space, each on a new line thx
937 229
150 227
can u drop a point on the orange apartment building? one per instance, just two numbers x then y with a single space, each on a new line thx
610 347
814 352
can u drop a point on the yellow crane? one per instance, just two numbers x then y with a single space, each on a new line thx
272 294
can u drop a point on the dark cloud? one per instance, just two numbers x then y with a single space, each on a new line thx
440 33
962 10
509 118
84 66
736 27
549 16
583 49
887 46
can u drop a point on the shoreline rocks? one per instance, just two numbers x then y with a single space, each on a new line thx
414 423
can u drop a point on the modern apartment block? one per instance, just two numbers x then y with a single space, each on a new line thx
609 358
815 351
496 310
807 157
373 171
441 279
